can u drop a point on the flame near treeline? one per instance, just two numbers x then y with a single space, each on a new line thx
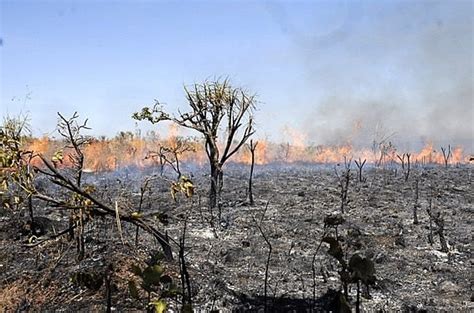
129 149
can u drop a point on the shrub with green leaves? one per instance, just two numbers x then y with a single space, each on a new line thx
153 280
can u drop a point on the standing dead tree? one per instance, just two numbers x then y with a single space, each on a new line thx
71 130
252 146
186 292
406 166
360 164
269 255
144 188
447 154
343 180
213 105
416 205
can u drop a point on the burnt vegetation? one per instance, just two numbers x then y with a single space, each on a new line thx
394 236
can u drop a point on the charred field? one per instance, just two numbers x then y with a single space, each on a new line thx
272 256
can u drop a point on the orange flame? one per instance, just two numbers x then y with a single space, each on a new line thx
128 149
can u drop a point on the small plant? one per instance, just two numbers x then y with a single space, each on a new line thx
153 280
16 172
334 220
170 154
438 219
357 270
184 185
343 180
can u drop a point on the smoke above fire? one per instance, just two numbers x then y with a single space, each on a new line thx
403 70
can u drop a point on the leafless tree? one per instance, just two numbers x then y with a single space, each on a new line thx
343 180
447 154
186 292
213 105
406 166
360 164
416 205
269 255
252 146
71 130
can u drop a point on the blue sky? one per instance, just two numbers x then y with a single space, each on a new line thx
319 67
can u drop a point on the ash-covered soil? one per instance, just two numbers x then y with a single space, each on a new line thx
227 261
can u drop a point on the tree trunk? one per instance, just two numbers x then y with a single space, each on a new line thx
216 184
250 178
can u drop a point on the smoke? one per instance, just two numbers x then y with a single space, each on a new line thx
400 70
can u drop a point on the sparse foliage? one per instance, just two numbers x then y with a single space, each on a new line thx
170 154
213 105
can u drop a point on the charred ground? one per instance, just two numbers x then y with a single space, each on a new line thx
226 258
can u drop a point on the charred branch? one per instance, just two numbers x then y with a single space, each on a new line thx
252 146
101 208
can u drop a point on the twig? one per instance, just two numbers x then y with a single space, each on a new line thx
117 219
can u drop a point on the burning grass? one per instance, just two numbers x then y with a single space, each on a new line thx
129 150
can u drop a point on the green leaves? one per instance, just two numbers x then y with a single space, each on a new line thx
151 276
153 279
149 114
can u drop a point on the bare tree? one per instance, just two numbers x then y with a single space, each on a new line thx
360 164
416 205
71 130
405 164
252 146
446 155
343 180
269 255
213 105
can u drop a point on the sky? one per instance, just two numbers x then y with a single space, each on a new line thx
328 72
